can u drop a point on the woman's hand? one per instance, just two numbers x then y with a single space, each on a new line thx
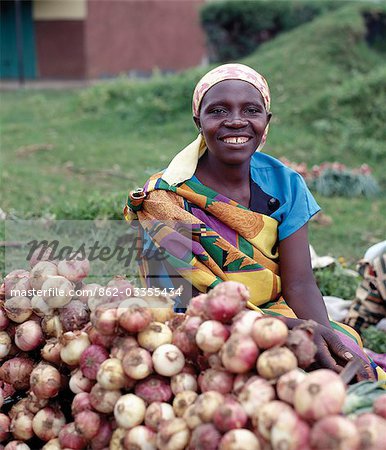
331 352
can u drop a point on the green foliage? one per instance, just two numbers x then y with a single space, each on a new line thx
374 339
235 28
335 281
344 183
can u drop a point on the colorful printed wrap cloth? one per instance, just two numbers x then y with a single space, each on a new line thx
208 238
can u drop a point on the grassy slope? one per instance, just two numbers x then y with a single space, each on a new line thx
134 128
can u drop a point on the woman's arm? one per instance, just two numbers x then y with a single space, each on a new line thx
299 288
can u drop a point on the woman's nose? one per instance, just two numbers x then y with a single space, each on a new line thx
235 122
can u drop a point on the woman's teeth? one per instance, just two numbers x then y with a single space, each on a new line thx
236 140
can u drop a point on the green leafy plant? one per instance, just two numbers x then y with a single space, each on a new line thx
374 339
335 281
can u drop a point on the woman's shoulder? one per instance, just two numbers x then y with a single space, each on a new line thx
264 167
263 161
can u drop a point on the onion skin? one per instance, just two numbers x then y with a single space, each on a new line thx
56 291
121 345
184 336
96 338
276 361
135 319
137 363
129 411
53 444
372 431
256 392
211 336
196 306
290 432
73 345
105 319
269 332
45 381
154 389
122 288
79 383
41 272
35 404
103 400
173 435
156 412
4 321
239 353
16 280
18 309
51 351
322 393
102 439
243 322
216 380
230 415
42 253
287 384
17 445
91 359
88 424
300 342
74 269
17 371
335 432
206 405
140 437
81 402
183 382
5 344
154 335
204 437
168 360
182 401
29 336
117 439
74 315
111 375
21 426
265 417
47 423
239 439
5 423
69 437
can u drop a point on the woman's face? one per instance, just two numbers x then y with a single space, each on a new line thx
233 119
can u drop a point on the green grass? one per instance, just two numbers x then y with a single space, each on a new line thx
328 100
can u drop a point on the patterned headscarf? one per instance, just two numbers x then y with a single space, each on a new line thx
184 164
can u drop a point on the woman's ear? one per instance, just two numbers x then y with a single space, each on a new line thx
269 116
198 123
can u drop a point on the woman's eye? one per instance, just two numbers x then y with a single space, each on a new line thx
218 111
253 110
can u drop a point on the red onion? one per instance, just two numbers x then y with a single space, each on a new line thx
51 351
103 400
287 384
239 382
111 375
19 408
16 282
21 426
182 401
255 393
91 359
47 423
290 432
16 445
88 424
129 411
103 340
35 404
104 319
204 437
74 316
168 360
184 336
5 344
70 438
265 417
74 269
4 321
1 397
5 423
42 253
321 394
226 300
121 345
41 272
102 439
243 322
157 412
56 291
154 335
29 336
216 380
140 437
17 371
45 381
239 353
135 319
18 309
207 404
52 326
53 444
230 415
8 389
73 345
371 430
79 383
300 342
276 361
211 336
192 418
173 434
335 432
379 406
120 287
40 307
197 306
239 439
154 389
269 332
138 363
183 382
81 402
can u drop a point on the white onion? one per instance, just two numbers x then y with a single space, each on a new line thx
41 272
56 291
129 411
168 360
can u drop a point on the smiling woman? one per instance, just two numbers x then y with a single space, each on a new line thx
224 211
